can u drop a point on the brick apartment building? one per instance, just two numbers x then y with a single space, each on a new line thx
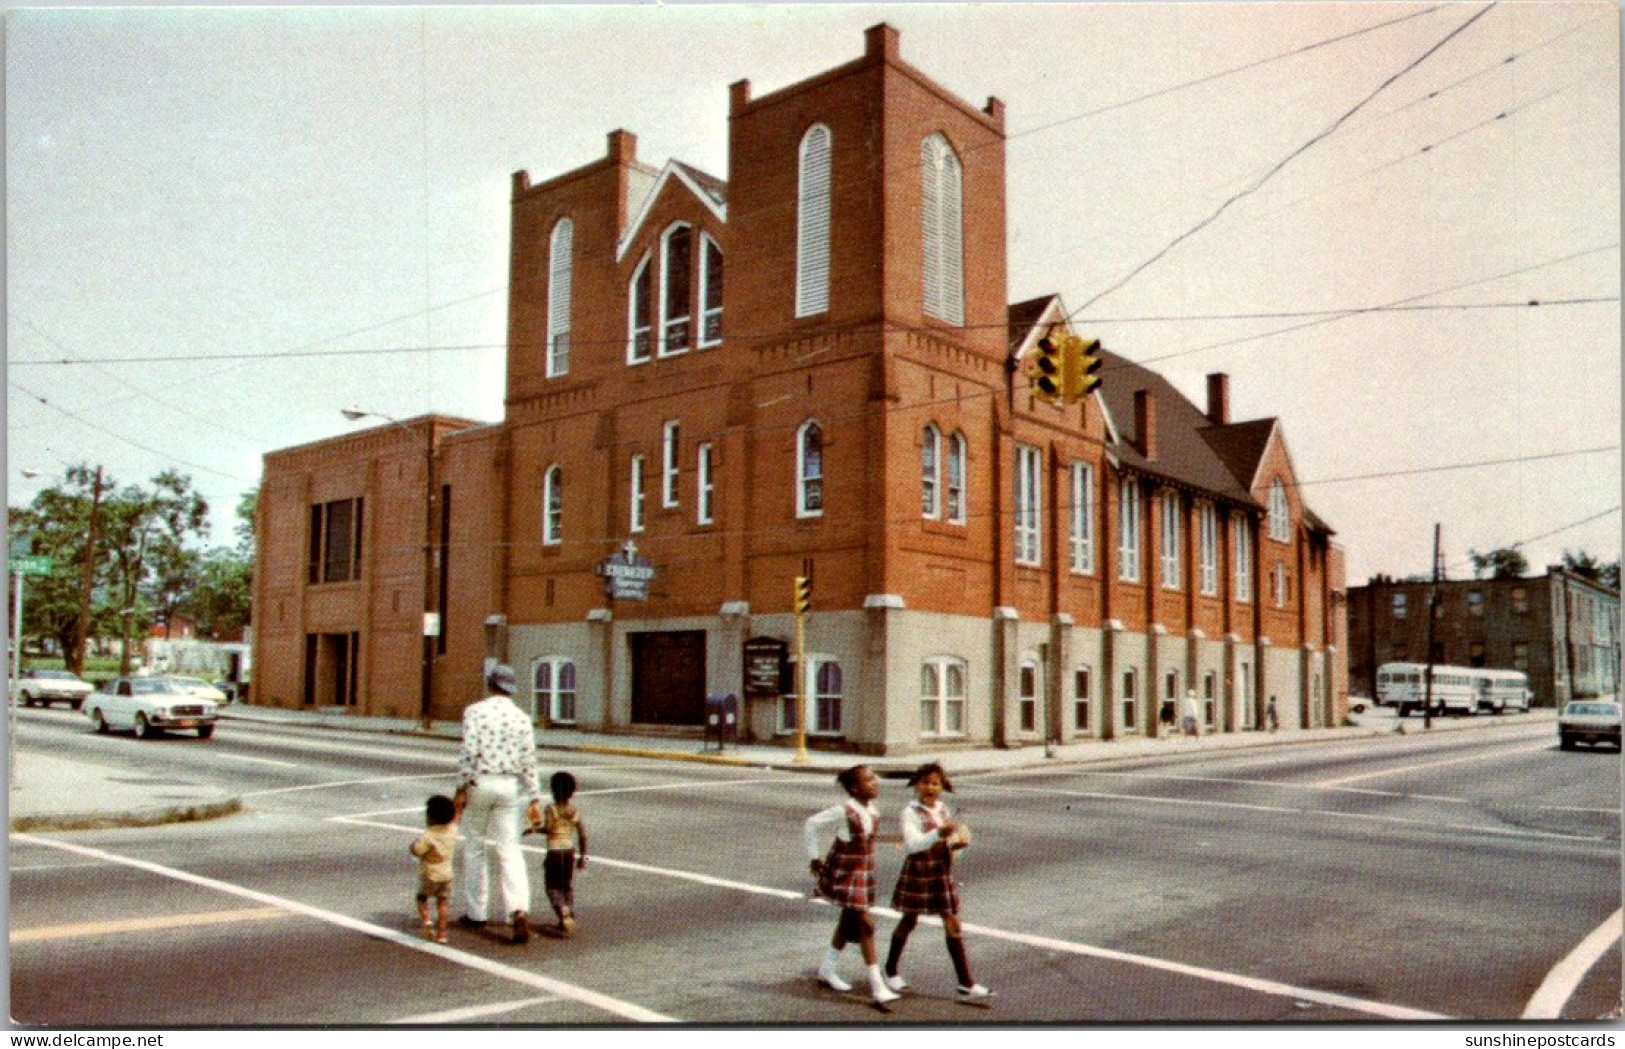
1561 629
854 400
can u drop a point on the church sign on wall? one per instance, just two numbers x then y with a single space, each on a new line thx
627 574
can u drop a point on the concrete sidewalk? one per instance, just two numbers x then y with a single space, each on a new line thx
54 793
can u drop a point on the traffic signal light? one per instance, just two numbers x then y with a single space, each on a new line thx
1086 378
803 599
1051 361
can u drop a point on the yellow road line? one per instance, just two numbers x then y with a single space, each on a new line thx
161 921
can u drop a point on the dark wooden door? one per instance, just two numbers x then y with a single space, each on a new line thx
668 677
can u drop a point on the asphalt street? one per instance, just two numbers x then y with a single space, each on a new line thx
1411 878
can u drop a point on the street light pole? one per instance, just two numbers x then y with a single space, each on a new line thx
431 623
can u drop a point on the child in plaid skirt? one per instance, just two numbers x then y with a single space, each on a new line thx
926 884
846 875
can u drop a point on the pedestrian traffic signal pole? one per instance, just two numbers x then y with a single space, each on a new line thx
800 604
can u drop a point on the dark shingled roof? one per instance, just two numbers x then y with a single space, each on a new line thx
1185 452
1191 449
1023 315
713 186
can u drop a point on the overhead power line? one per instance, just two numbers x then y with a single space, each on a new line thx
126 439
1276 168
1331 312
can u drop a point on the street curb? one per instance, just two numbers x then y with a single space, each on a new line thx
655 753
149 817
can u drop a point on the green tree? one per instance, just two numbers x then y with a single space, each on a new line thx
1506 562
146 535
1584 565
57 526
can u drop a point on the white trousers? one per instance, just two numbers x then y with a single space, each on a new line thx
491 832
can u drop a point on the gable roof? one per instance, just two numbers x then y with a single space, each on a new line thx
1024 318
707 189
1184 452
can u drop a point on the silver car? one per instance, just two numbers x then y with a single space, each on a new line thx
149 705
50 686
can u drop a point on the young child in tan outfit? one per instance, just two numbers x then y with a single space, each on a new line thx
434 849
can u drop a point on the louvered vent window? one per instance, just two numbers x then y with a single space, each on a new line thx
812 217
942 227
558 302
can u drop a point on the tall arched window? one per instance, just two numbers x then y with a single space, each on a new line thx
810 470
956 478
558 298
552 506
1280 512
930 472
710 292
812 223
676 288
638 313
942 225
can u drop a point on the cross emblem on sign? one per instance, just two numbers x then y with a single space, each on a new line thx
629 551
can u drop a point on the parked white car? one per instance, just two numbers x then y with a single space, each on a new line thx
51 686
200 688
149 705
1588 721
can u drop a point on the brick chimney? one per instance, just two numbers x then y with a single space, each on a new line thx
1218 398
1145 423
623 146
881 41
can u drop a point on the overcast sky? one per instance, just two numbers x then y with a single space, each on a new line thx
257 190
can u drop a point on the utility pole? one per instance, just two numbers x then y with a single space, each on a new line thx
800 605
1433 615
87 579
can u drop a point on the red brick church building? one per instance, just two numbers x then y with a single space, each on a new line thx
811 366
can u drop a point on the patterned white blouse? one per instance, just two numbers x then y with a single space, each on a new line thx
498 739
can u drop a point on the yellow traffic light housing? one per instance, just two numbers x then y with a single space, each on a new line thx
803 598
1050 380
1085 378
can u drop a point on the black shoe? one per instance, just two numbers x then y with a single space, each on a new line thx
521 927
471 923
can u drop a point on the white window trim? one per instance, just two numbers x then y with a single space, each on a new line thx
1129 509
1084 699
942 230
708 244
1029 505
957 463
1025 700
559 300
638 495
1129 701
632 316
662 349
931 476
1244 556
1083 515
1172 562
706 484
552 694
1208 522
816 661
802 477
1280 515
670 468
552 487
813 258
941 700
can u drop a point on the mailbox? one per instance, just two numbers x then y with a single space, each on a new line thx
722 719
